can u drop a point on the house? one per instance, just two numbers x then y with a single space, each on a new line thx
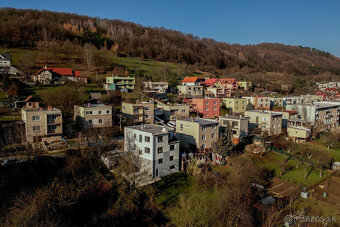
142 112
192 81
267 121
206 107
6 68
173 112
199 133
235 105
209 82
238 124
218 92
311 98
323 86
244 85
324 114
42 124
190 91
156 146
228 83
29 103
120 83
299 130
287 115
158 87
93 115
260 102
290 100
57 75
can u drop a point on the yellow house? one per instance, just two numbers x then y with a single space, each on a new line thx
244 85
236 105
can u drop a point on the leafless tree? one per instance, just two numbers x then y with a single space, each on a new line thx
89 50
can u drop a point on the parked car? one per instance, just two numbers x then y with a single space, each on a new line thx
11 161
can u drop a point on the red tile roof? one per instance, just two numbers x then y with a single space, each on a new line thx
210 82
227 81
28 98
61 71
191 79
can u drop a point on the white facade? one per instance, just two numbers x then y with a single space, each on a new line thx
156 146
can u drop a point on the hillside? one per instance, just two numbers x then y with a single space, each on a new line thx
48 31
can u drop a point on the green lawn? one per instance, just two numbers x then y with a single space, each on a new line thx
169 188
273 161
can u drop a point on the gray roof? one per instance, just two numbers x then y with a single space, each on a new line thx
265 112
200 121
152 128
95 95
95 106
234 117
7 56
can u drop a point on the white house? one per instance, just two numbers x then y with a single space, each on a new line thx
157 147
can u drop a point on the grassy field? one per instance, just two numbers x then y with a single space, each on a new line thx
273 161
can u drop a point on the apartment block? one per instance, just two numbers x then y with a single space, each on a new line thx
236 105
219 92
158 87
120 83
238 124
206 108
327 114
276 102
93 115
142 112
42 124
197 132
260 102
156 146
267 121
173 112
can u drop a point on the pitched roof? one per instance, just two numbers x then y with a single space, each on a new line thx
28 98
227 80
192 79
61 71
210 82
5 56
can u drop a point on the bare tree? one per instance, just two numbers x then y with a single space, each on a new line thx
89 50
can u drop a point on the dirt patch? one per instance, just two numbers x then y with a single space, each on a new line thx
279 188
332 187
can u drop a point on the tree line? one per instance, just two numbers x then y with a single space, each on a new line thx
20 28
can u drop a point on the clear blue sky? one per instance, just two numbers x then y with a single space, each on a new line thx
313 23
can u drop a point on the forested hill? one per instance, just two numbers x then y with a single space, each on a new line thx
24 28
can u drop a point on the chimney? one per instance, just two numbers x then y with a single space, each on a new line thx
89 104
49 108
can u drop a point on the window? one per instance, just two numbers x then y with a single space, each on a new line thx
140 138
147 139
160 150
215 102
213 135
90 121
172 147
215 108
171 158
160 139
203 146
156 173
36 118
99 112
147 108
36 128
172 167
206 109
88 112
183 111
134 135
206 103
203 137
108 111
204 128
146 150
160 161
213 126
100 121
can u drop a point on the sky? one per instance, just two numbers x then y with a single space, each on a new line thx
313 23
